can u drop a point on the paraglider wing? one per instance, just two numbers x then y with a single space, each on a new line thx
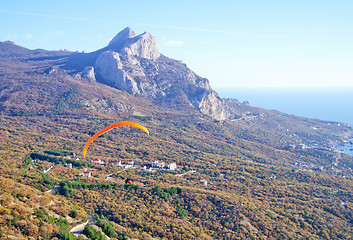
114 125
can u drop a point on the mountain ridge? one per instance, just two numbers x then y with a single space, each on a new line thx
134 64
53 68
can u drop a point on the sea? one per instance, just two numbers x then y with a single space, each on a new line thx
331 104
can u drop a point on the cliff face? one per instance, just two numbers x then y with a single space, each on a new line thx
143 45
133 64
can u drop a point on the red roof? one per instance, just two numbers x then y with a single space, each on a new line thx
85 172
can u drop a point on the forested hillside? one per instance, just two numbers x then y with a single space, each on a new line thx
230 188
258 174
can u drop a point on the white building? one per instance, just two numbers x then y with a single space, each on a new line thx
172 166
157 164
145 168
98 161
116 163
302 146
130 162
87 174
68 165
203 182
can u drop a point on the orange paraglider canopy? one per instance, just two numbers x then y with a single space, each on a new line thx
114 125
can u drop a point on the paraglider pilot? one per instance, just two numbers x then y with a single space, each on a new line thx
128 181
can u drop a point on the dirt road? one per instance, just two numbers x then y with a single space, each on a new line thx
79 228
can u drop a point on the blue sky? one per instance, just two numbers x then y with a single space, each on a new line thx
234 44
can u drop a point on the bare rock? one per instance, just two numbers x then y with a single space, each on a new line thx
110 68
211 104
121 38
143 46
134 64
88 73
105 105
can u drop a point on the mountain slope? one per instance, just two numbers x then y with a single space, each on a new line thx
243 172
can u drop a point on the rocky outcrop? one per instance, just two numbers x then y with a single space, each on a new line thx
110 68
105 105
211 104
134 64
120 39
143 45
124 72
88 73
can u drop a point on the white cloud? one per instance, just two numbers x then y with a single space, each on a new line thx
12 37
175 43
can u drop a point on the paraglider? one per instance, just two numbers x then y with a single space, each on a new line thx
114 125
128 181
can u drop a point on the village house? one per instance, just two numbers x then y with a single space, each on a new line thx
87 174
116 163
203 182
130 162
97 161
157 164
68 165
172 166
302 146
145 168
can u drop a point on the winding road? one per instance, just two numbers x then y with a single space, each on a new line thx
54 190
79 228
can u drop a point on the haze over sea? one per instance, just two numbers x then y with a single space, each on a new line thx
332 104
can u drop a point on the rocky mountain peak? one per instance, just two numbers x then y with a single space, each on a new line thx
133 64
143 46
122 37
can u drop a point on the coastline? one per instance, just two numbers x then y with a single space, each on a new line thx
329 104
347 148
